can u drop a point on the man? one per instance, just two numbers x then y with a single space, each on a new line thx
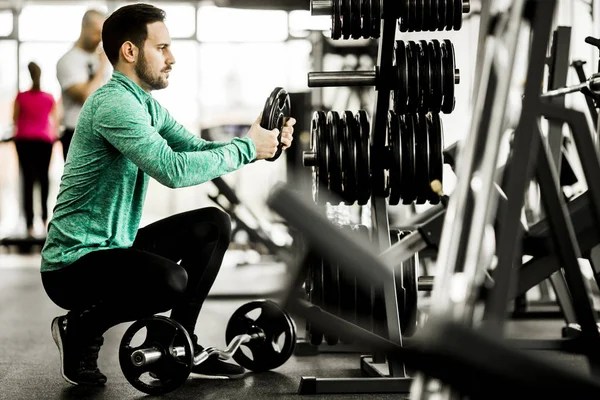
81 71
96 263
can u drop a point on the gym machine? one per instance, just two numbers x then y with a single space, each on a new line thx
390 157
491 368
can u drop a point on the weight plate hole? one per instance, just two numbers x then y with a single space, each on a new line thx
139 338
254 314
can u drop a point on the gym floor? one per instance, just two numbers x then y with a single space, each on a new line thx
29 360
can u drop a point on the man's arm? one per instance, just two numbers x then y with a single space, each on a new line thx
126 125
180 139
75 81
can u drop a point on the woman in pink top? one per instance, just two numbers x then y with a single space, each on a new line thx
35 118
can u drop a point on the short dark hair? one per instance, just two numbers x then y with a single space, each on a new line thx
128 23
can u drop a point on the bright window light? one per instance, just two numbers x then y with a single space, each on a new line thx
180 18
217 24
39 22
301 23
46 55
6 23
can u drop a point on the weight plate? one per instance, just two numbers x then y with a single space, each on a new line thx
267 353
412 15
433 16
403 15
366 19
401 90
170 371
418 25
349 158
395 159
336 20
436 154
449 14
335 162
331 295
364 159
442 14
315 336
320 173
346 19
449 67
356 19
376 18
458 14
424 76
276 112
436 86
412 50
422 159
407 141
408 317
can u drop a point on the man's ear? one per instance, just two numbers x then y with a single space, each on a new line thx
129 51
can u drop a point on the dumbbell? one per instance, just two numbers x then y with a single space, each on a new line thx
167 353
423 79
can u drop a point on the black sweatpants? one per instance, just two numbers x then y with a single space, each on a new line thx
172 265
34 161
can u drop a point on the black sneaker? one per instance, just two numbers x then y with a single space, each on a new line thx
215 368
78 363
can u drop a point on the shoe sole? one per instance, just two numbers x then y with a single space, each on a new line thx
58 340
217 377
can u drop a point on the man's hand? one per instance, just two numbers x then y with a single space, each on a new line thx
266 141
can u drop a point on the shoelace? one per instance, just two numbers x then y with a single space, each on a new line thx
89 355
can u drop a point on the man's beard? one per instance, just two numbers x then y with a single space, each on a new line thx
143 71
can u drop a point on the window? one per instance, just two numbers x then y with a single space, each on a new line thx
301 23
46 55
6 23
180 18
52 22
216 24
8 85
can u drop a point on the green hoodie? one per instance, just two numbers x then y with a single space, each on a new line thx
123 136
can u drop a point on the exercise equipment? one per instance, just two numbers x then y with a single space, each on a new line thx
362 18
167 353
275 114
340 156
423 78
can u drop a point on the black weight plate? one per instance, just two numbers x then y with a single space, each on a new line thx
401 69
427 20
336 20
349 158
315 336
418 25
170 371
403 15
436 154
364 301
449 67
356 145
442 14
276 112
449 14
364 159
433 9
366 19
436 86
335 160
413 76
331 292
395 161
356 19
346 19
407 141
408 317
274 323
412 15
376 18
422 160
458 14
424 75
320 171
